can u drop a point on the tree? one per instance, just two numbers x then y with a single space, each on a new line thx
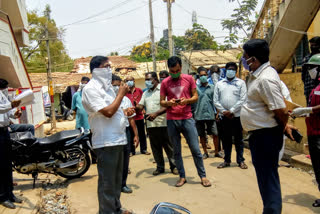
179 44
241 21
143 53
35 55
199 38
113 54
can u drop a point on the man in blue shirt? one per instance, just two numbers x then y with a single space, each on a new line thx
229 96
204 113
81 114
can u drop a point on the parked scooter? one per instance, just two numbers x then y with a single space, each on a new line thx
66 113
65 153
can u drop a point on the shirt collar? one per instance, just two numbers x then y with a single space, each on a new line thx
157 88
208 86
260 69
226 80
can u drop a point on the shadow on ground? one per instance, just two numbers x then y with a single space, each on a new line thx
301 199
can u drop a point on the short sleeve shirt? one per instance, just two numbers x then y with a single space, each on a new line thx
176 89
151 101
126 103
105 131
264 96
135 98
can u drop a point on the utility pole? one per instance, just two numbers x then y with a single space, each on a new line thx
169 3
49 77
153 47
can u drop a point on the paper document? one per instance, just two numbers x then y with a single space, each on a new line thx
26 97
291 105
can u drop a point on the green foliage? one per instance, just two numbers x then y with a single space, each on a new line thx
114 54
199 38
178 41
240 21
35 55
143 53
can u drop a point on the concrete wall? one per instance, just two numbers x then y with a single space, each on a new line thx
295 86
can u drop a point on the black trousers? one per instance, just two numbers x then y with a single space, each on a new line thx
232 128
314 149
126 158
265 145
142 137
110 164
159 140
6 182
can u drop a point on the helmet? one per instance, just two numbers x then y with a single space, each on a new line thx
314 60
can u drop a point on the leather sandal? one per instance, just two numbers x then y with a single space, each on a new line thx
242 165
223 165
205 182
181 182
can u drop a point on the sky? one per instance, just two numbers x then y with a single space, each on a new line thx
121 24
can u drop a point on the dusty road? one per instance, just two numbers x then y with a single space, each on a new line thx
234 191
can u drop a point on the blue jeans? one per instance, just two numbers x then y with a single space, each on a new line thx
189 131
22 128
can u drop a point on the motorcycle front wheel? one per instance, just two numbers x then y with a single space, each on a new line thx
80 169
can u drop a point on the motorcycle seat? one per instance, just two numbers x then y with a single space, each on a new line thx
21 136
60 136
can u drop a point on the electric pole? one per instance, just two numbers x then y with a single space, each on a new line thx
169 3
153 47
49 77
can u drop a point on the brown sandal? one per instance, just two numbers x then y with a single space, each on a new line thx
181 182
242 165
206 183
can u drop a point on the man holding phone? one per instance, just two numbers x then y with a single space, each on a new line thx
177 93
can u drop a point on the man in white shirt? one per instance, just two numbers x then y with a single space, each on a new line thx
108 123
126 104
229 96
6 183
265 117
157 124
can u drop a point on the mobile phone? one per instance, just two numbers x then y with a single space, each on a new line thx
297 136
177 100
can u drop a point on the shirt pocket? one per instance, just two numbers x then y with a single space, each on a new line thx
236 93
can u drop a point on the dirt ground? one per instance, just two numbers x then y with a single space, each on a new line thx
234 190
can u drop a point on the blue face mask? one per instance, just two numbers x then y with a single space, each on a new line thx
130 83
245 63
203 79
231 74
149 84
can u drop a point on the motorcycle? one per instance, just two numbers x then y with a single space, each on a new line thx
65 153
66 113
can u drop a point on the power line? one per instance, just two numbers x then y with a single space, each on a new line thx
204 17
98 14
105 19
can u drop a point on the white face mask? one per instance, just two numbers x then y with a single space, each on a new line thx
81 86
116 88
313 73
104 76
5 92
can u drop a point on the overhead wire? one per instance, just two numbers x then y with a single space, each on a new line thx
98 14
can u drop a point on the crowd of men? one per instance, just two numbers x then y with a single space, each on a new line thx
212 102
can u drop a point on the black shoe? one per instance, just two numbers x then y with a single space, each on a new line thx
8 204
158 172
16 200
126 189
145 153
